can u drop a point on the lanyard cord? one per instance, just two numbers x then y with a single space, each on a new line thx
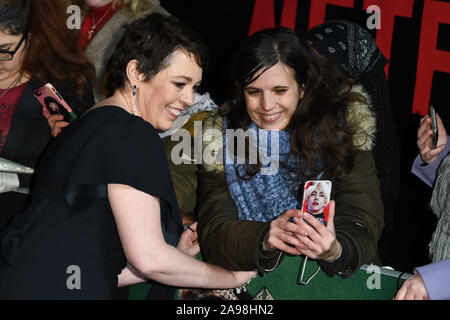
303 272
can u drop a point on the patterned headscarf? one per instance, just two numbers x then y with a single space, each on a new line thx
348 44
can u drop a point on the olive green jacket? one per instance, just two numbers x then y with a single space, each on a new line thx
237 244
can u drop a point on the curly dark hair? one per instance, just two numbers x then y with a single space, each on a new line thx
320 134
151 40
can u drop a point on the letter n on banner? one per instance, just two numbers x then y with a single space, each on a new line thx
430 58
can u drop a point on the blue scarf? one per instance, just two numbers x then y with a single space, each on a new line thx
269 193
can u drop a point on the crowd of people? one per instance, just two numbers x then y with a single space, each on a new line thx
107 197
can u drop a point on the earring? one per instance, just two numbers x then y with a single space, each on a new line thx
134 99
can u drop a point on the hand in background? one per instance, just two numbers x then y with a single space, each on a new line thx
425 139
55 121
413 289
188 242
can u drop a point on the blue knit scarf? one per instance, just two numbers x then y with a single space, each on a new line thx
265 196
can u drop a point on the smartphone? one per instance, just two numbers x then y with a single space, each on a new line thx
316 199
50 99
434 126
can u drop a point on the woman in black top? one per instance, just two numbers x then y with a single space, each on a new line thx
104 212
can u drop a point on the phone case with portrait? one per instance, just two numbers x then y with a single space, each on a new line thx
316 199
50 99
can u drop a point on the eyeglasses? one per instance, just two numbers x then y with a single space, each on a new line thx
6 55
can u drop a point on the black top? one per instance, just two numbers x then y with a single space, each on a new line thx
69 229
29 136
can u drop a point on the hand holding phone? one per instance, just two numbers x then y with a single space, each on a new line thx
51 100
434 126
432 142
320 243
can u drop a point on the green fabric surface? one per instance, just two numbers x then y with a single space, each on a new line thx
282 284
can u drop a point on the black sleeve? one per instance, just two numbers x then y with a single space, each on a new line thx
332 268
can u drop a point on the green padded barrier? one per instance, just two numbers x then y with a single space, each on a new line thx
368 283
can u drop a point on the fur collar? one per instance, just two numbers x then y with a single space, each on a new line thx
361 117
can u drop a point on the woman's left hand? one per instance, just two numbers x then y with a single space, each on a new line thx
188 242
320 242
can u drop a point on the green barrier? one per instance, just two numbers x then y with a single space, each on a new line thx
370 282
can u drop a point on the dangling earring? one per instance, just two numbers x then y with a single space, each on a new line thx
134 99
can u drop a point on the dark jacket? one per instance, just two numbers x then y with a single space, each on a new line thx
29 136
237 244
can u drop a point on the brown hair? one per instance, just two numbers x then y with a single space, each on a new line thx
320 134
152 40
52 53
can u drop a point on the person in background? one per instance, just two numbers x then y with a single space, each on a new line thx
103 26
36 47
104 203
432 166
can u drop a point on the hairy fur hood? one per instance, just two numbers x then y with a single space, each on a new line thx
360 117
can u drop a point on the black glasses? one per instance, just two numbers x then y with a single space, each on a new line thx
6 55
